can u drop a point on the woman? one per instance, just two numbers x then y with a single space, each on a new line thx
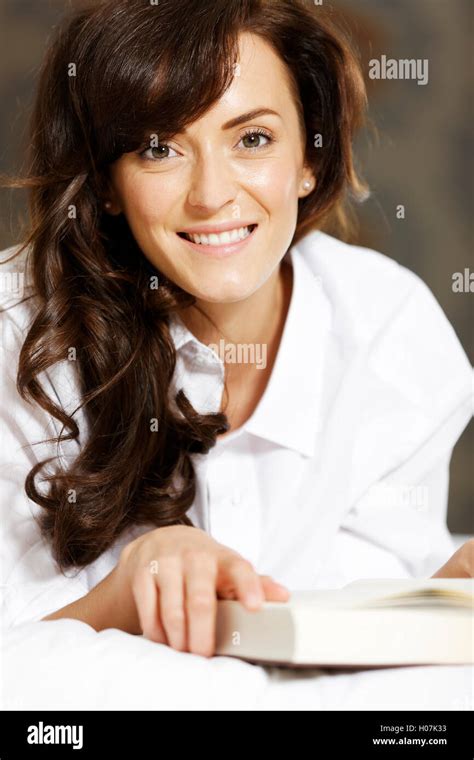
240 396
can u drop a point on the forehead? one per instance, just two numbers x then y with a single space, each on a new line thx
259 60
261 80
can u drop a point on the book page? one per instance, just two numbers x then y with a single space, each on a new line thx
457 592
443 592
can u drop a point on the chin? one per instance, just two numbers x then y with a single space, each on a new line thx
222 290
223 295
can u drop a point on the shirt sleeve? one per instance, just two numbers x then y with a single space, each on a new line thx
32 585
423 395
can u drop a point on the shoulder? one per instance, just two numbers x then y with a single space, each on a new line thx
19 306
366 288
18 302
385 310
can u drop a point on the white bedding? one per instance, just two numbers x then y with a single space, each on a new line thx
66 665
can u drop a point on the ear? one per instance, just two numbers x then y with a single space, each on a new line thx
109 199
111 207
308 182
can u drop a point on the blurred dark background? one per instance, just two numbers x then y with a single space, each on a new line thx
422 157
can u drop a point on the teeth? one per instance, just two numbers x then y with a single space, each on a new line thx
232 236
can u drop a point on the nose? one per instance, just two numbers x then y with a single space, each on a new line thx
212 184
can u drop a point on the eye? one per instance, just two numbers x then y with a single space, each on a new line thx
157 153
252 139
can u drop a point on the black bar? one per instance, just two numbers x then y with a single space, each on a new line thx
325 734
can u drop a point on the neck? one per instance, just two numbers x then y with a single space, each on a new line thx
258 319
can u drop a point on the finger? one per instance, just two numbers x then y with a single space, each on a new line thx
467 553
170 582
453 568
237 576
273 591
146 598
201 603
460 565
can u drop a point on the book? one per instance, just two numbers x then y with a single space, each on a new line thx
367 623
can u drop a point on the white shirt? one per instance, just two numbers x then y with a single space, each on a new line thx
340 473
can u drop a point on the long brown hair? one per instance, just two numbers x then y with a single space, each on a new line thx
116 71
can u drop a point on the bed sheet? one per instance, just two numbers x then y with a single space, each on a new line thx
67 665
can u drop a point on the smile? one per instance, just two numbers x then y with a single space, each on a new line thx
220 245
217 240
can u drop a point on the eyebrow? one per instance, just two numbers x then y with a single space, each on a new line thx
249 116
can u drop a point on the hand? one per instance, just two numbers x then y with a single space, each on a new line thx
460 565
176 574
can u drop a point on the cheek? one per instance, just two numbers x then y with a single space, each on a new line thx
144 201
276 186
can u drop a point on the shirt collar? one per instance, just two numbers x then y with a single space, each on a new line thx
288 412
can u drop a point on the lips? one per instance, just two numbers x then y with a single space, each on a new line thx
219 239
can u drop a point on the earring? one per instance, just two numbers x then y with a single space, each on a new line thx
108 205
307 184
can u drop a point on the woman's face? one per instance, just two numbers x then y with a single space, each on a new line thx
218 175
